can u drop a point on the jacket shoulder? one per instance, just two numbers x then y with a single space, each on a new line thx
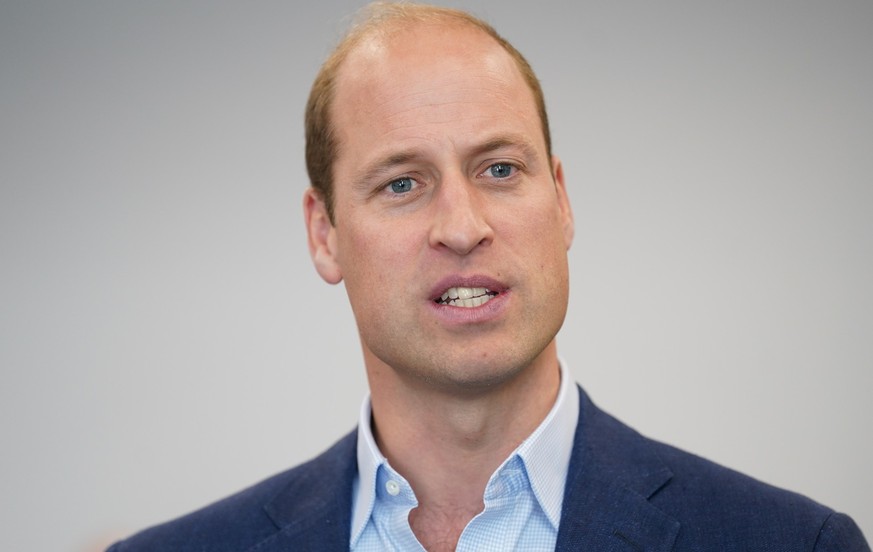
709 506
717 504
242 520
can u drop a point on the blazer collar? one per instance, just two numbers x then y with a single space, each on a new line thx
313 511
613 473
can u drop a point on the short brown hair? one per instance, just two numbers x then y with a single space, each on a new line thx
321 144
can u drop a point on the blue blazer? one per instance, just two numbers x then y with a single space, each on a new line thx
624 493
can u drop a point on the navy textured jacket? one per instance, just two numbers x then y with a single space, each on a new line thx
624 493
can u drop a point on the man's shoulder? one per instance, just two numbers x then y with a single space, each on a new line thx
719 504
303 494
701 485
710 504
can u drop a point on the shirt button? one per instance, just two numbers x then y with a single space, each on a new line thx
392 487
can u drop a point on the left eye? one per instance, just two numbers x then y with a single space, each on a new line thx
402 185
500 170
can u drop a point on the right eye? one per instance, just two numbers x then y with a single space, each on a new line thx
402 185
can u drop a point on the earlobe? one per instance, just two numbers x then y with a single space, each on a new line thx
563 201
321 236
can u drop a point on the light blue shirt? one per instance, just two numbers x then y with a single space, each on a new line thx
523 497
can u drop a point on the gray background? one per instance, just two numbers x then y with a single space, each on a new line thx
164 340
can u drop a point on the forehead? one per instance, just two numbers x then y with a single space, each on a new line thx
421 78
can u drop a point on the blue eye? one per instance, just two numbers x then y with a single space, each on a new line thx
401 185
501 170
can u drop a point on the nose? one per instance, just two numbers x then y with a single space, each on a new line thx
459 222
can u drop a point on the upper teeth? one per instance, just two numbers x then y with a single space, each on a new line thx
466 297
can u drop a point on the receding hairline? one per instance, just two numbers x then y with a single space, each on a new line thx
387 18
380 22
384 20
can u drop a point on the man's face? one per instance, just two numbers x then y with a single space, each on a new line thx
450 230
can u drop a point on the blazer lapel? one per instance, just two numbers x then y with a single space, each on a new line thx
313 511
613 473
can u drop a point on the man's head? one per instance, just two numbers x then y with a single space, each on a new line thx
449 220
385 18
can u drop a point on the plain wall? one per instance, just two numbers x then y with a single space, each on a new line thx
165 341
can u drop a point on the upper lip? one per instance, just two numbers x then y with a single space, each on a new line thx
474 281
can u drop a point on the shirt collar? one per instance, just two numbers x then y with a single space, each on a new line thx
369 460
545 453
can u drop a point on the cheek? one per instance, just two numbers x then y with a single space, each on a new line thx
373 256
537 224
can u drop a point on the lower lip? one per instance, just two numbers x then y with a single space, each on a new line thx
486 312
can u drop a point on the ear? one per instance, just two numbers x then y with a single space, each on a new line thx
563 201
322 237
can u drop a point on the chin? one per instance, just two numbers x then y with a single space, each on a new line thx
472 375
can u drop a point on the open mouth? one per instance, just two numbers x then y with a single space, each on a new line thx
466 297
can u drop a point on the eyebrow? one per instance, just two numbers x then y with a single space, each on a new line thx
385 164
507 141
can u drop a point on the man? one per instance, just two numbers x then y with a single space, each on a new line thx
436 199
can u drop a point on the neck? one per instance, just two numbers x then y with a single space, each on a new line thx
447 444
